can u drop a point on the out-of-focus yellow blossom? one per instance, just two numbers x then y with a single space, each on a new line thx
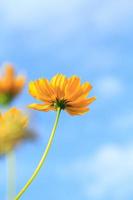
10 84
13 129
63 93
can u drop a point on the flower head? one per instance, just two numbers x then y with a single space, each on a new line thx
10 85
13 129
61 92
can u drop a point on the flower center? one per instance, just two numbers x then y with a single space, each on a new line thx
60 104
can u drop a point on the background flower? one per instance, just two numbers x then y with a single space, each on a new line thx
10 84
13 130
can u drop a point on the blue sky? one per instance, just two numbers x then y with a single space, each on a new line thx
92 155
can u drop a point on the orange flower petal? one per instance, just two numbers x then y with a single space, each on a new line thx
35 91
9 70
41 90
77 111
72 87
41 107
19 84
86 88
46 88
58 82
82 102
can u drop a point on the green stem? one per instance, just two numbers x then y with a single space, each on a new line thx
10 176
42 159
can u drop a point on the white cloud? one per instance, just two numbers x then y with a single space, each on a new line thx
107 174
109 87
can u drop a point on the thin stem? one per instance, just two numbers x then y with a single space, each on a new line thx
11 175
42 159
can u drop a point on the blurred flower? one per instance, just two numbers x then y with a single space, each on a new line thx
10 85
13 129
61 92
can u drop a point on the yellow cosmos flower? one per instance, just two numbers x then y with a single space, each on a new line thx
10 85
61 92
13 129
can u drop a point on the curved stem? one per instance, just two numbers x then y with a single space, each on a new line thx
10 175
42 159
